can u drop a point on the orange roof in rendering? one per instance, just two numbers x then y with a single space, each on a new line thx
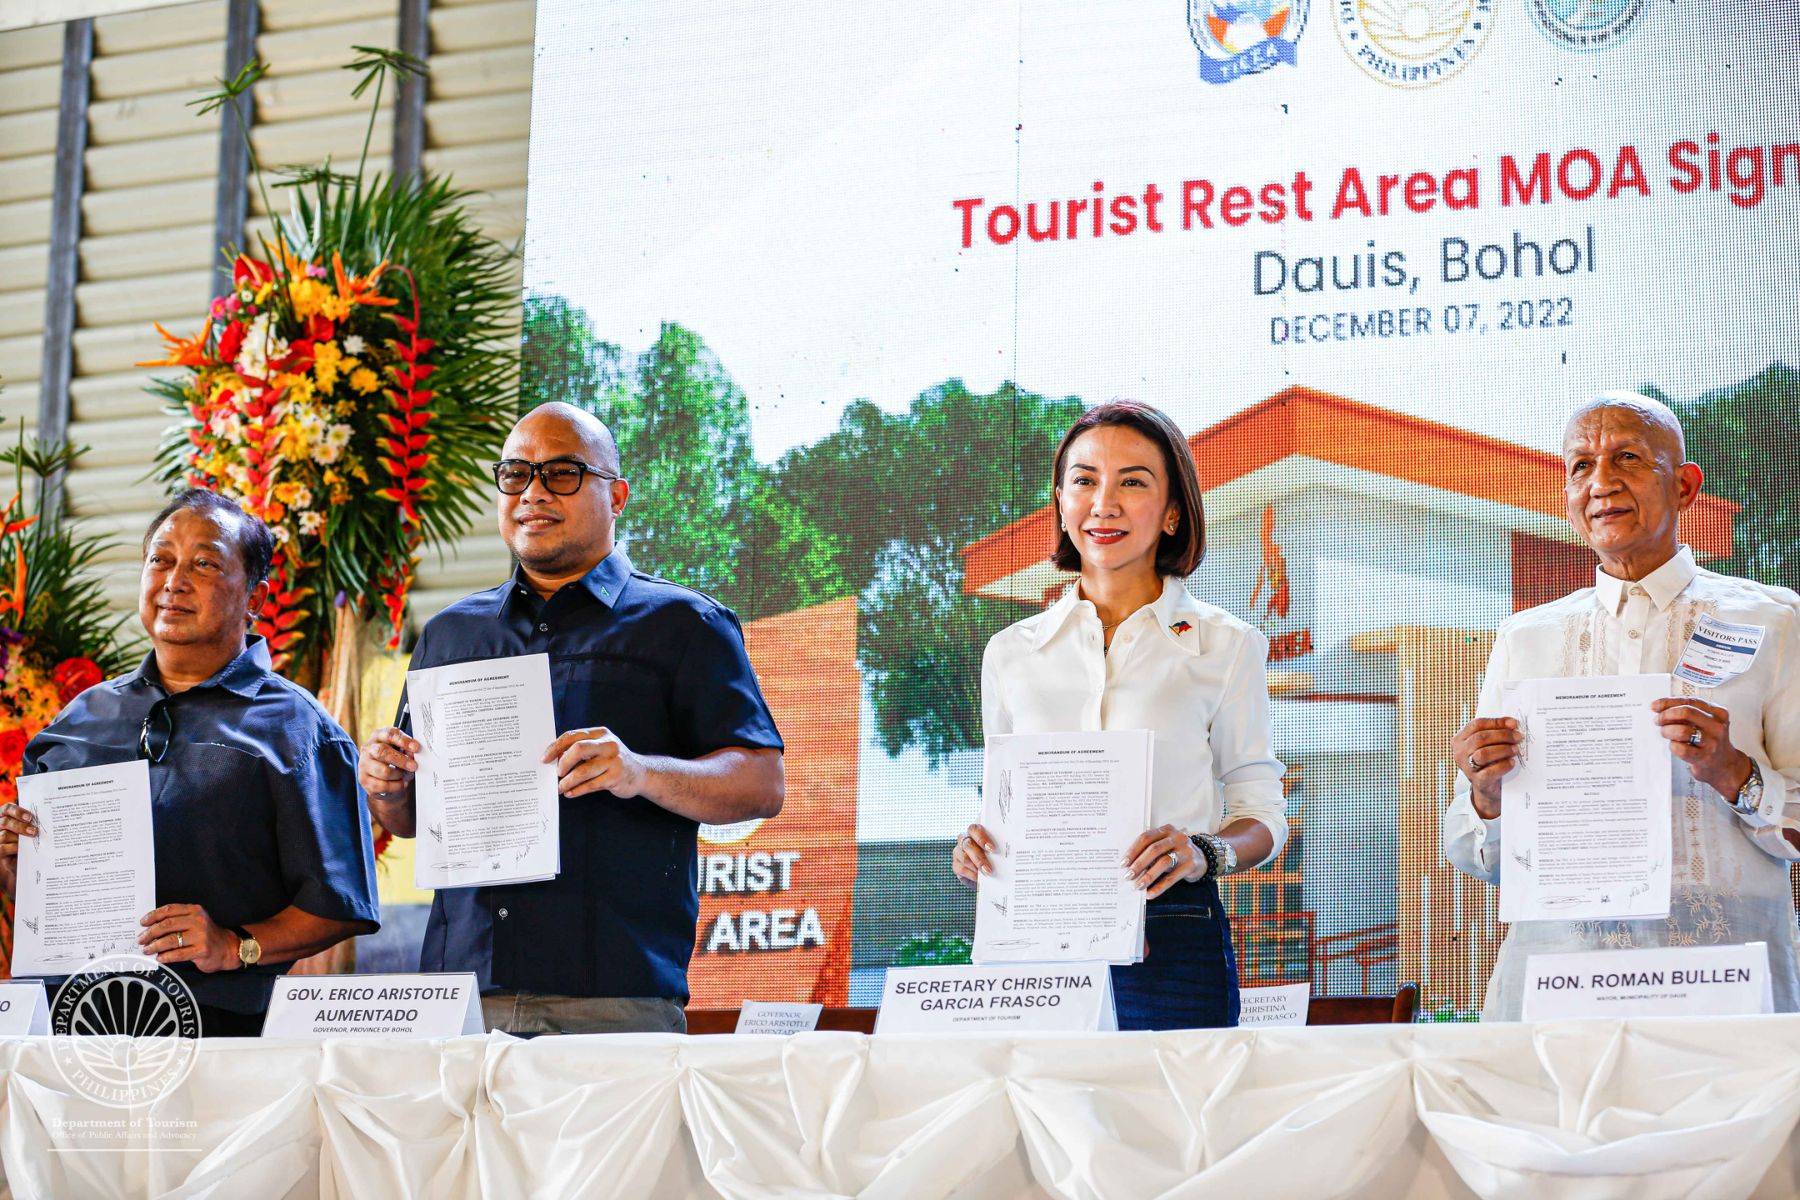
1312 424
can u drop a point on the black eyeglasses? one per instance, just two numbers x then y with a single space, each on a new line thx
159 727
561 476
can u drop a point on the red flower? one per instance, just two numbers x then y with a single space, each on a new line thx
74 676
231 341
12 747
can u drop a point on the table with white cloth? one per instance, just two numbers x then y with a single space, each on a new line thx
1643 1108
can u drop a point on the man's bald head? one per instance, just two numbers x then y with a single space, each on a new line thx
560 536
1660 423
600 449
1627 481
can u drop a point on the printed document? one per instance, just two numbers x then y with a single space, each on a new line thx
1062 809
1585 816
487 802
89 876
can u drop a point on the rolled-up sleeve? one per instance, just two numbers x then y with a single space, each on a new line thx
1243 744
1470 842
327 856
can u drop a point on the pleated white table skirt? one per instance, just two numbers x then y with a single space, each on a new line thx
1641 1109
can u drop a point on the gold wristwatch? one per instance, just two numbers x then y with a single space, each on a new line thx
249 949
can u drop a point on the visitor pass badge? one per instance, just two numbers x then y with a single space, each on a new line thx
1718 652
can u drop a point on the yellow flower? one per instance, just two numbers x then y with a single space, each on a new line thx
360 471
327 359
344 408
365 380
284 492
334 306
308 296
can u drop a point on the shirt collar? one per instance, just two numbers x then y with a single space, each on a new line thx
242 676
1663 584
1175 611
605 583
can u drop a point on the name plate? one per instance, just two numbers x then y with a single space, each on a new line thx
759 1016
391 1006
24 1009
1673 981
1010 998
1282 1004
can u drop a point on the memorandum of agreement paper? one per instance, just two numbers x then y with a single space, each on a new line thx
89 876
487 801
1063 808
1585 815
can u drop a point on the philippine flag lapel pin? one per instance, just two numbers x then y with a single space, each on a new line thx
1179 628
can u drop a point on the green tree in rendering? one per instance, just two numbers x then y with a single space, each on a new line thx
1746 437
903 494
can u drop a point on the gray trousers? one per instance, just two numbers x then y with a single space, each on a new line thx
528 1014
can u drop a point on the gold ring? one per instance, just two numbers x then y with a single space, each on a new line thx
179 942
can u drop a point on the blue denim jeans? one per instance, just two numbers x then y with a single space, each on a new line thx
1188 979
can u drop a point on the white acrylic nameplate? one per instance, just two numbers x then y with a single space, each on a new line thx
395 1006
1282 1004
1011 998
759 1016
1672 981
24 1009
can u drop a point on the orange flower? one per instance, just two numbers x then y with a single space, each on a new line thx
359 291
184 354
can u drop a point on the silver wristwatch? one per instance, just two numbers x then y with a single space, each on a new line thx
1220 855
1749 797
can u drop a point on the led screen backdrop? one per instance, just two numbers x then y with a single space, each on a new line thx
839 275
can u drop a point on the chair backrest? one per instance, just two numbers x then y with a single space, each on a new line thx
1402 1008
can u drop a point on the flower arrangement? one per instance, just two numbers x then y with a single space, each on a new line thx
57 638
349 386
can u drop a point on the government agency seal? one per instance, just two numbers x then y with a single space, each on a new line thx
1586 25
1413 43
125 1029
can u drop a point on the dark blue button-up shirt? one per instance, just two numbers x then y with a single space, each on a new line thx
255 805
664 668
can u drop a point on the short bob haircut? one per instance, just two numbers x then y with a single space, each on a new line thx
256 545
1178 553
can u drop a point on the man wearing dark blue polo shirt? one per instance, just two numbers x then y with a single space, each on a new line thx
262 842
663 728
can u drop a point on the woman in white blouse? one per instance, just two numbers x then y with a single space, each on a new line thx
1128 648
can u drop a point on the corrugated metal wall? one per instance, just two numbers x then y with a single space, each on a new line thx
477 121
147 252
30 75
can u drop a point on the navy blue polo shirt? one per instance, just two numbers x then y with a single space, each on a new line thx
254 806
664 668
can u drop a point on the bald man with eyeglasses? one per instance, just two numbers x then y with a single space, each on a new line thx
662 727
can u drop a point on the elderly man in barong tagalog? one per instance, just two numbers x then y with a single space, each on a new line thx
1736 784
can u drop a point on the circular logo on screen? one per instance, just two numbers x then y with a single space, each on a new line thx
127 1028
1242 37
1586 24
1413 43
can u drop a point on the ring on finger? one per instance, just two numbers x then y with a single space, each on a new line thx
1473 765
1694 738
180 941
1174 858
